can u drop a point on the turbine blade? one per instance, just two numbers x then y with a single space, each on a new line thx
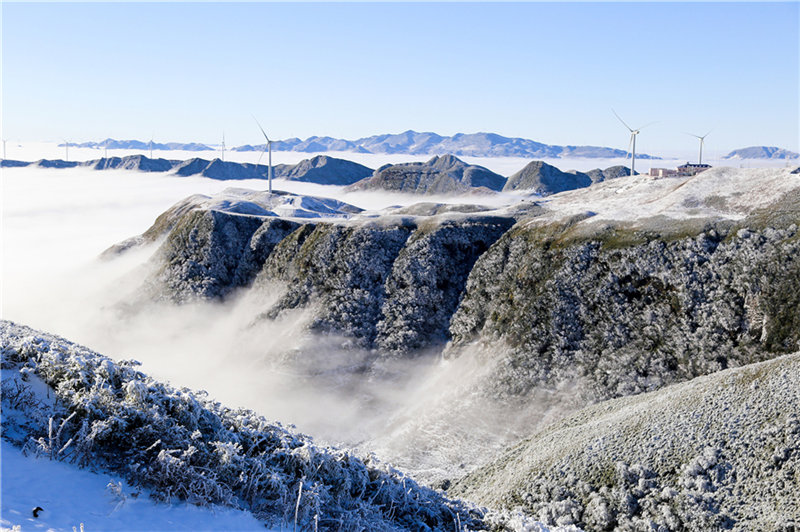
647 125
709 131
260 155
261 128
621 120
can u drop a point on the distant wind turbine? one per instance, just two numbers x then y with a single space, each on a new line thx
4 149
223 146
151 145
267 148
702 140
66 150
632 144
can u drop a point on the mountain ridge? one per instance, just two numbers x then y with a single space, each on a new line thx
480 144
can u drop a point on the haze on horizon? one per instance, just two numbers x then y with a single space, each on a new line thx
547 72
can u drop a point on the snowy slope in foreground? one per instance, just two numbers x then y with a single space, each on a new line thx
70 496
183 446
719 192
719 452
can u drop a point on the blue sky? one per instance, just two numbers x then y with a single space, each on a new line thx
550 72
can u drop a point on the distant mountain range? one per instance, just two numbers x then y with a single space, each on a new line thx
460 144
762 152
113 144
409 142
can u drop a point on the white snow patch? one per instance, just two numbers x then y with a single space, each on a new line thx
70 497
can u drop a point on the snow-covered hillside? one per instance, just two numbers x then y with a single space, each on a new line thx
719 192
720 452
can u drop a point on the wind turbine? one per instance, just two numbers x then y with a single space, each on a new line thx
151 145
4 149
267 147
702 140
66 150
223 145
632 144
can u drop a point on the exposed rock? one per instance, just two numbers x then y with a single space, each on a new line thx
440 175
612 172
544 179
132 162
324 170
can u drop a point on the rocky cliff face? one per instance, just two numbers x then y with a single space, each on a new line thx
623 307
391 284
630 311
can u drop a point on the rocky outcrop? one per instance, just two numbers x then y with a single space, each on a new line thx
612 172
324 170
720 452
440 175
544 179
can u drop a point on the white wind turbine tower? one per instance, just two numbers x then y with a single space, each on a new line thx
632 144
223 146
151 145
702 140
66 150
4 149
267 148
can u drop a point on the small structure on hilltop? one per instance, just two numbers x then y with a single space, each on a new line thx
692 169
663 172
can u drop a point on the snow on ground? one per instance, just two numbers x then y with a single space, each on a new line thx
70 497
723 191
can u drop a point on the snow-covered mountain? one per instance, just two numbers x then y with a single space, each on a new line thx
460 144
762 152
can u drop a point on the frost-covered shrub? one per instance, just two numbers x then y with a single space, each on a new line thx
182 445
